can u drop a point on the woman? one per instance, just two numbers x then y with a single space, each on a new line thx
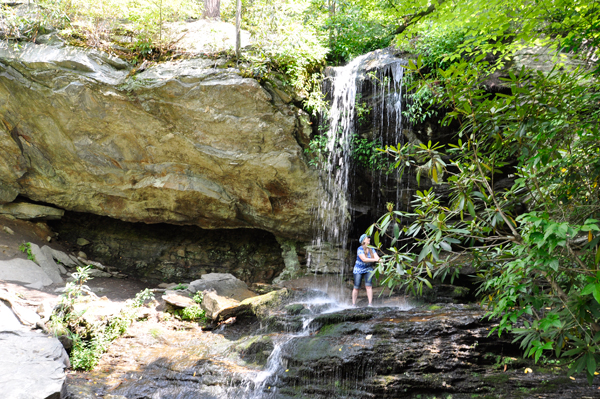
364 257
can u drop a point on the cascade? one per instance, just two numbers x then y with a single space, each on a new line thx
375 81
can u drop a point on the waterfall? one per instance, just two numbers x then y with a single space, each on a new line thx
380 75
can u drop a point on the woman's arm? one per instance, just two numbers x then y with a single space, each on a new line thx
364 258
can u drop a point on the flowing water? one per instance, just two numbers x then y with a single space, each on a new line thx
371 84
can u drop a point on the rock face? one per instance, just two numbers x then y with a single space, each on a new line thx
188 142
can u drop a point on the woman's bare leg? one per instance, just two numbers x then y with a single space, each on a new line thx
370 294
354 296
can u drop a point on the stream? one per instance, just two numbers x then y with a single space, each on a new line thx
314 345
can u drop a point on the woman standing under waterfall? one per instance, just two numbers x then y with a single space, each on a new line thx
364 256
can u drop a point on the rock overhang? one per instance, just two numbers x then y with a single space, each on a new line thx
180 142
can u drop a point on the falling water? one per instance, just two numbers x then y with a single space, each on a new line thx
382 75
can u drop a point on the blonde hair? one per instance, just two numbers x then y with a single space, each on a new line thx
368 251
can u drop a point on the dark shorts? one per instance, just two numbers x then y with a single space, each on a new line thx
368 279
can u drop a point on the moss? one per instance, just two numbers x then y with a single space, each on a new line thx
495 378
434 307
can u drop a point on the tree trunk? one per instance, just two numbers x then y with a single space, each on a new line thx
212 9
238 21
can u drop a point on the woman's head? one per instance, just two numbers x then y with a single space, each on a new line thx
363 239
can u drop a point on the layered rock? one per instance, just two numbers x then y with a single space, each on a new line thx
183 142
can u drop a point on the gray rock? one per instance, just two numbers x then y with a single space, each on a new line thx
8 230
36 286
178 301
99 273
26 211
25 315
225 285
7 193
96 265
49 253
62 257
8 319
36 365
47 264
23 271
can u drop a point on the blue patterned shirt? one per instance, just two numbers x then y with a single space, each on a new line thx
361 267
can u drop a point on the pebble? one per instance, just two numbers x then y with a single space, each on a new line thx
8 230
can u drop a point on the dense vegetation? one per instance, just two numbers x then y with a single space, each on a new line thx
535 245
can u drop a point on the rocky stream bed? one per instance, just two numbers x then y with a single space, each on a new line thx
313 346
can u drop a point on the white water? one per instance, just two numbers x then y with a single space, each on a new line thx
333 215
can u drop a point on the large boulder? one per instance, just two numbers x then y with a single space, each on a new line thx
224 284
36 365
23 271
182 142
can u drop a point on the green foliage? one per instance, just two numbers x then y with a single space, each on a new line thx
198 297
536 244
419 105
180 286
26 249
433 44
96 24
364 153
284 43
90 342
351 29
194 312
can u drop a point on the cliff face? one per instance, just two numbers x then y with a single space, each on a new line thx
187 142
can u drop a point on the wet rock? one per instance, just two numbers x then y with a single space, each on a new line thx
256 349
294 309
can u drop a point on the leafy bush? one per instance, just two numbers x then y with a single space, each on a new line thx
283 42
98 23
434 44
90 342
536 244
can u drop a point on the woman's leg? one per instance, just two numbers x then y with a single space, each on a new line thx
357 279
369 294
369 286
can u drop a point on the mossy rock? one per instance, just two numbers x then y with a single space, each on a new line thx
294 309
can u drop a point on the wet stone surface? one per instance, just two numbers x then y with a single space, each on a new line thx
315 347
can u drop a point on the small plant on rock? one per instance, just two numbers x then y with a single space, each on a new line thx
26 249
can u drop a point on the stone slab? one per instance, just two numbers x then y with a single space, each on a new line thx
23 271
48 265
